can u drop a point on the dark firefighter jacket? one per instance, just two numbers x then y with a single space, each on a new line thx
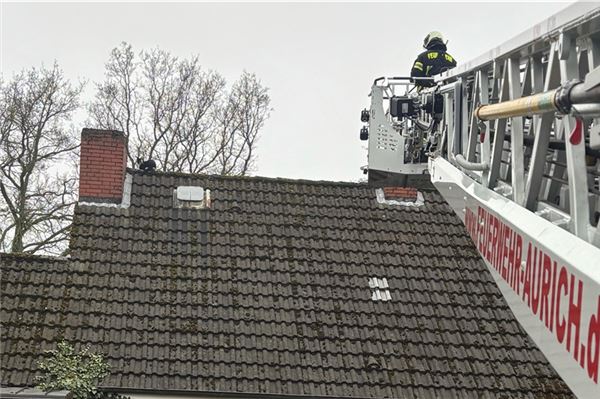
431 62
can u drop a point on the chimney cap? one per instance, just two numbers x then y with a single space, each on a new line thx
88 132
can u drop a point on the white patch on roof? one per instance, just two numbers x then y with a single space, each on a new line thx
191 197
190 193
126 201
379 289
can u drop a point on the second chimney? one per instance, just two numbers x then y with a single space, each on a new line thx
102 164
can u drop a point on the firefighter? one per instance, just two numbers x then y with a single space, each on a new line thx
433 61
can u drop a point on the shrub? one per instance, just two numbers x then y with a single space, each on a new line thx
73 371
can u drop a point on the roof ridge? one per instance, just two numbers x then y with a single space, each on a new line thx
25 256
260 178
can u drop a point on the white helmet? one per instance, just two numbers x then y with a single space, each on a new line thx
433 35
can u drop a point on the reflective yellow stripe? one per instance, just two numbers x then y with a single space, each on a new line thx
418 66
448 57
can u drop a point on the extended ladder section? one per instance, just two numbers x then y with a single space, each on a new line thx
512 141
539 144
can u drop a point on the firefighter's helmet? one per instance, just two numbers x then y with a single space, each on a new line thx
433 35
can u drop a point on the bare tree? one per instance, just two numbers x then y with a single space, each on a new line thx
37 198
239 121
181 116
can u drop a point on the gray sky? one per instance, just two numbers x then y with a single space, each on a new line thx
318 60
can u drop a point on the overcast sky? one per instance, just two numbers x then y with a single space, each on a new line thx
318 60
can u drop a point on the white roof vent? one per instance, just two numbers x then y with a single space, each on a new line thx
190 193
191 197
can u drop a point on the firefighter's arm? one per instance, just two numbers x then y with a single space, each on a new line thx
418 69
450 60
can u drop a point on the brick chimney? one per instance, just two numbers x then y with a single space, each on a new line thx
102 163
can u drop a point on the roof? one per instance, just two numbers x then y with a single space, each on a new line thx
268 292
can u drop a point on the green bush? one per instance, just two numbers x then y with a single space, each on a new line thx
69 370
